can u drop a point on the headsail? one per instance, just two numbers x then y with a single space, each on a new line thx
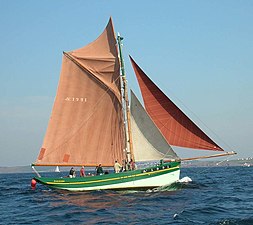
148 142
176 127
86 124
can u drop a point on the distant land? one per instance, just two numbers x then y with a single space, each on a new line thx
246 162
20 169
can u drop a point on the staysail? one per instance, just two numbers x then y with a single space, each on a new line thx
175 126
148 142
86 124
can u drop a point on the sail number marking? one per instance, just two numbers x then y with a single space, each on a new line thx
74 99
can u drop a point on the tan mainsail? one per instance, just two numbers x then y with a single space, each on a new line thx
148 142
86 124
175 126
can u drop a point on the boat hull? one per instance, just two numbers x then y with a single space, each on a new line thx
138 179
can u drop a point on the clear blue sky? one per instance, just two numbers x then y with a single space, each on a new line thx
200 53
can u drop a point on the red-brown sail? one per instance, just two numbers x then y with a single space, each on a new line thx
86 124
176 127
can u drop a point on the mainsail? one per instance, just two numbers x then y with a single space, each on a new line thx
148 142
176 127
86 124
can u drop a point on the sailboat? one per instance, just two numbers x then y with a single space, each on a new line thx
57 170
93 122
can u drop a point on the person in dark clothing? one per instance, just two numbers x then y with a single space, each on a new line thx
72 172
99 170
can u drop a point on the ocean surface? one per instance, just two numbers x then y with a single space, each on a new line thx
220 195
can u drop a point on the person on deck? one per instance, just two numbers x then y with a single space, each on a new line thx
117 167
82 172
100 170
124 166
132 165
72 172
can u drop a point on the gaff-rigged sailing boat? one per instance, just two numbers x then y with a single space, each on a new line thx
91 123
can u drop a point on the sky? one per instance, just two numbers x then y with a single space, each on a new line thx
199 53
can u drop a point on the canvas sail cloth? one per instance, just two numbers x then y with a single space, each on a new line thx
175 126
148 142
86 124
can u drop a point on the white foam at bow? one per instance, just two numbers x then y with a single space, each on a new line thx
185 180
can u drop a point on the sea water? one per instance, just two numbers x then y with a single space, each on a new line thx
216 195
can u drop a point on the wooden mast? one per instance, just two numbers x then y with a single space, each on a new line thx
130 154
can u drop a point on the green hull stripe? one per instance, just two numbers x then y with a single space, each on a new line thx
111 179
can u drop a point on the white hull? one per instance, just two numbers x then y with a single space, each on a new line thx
162 180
